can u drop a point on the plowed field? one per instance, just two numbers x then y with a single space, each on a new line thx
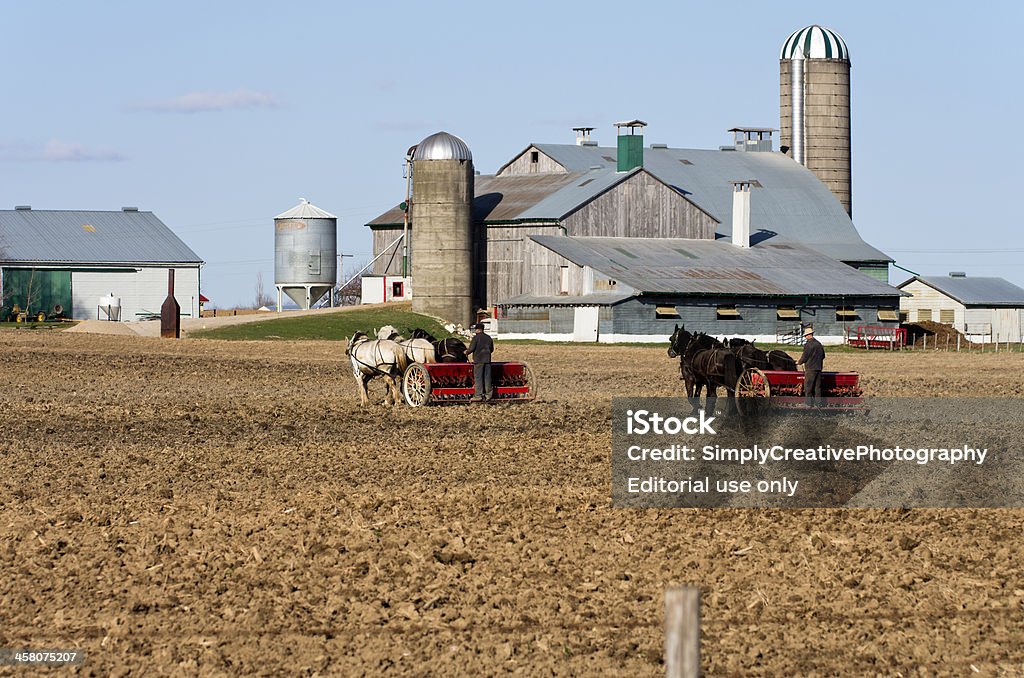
203 507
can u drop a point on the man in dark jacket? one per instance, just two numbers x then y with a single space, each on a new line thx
481 348
813 359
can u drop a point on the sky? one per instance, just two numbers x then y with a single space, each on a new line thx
219 116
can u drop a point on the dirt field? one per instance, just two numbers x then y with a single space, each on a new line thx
211 508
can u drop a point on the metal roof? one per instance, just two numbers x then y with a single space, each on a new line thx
716 267
597 299
85 237
815 42
971 291
442 146
791 204
305 210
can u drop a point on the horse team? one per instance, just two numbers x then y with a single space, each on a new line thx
707 363
390 354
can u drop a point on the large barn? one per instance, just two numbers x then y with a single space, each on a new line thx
520 243
68 261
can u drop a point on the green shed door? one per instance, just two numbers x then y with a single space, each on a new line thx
36 290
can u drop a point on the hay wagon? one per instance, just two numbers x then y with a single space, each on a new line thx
452 383
757 391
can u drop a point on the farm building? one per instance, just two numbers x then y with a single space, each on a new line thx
638 289
983 309
485 245
73 260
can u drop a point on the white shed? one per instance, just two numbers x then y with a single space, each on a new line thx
983 309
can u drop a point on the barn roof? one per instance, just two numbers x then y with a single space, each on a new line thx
971 291
716 267
789 202
86 237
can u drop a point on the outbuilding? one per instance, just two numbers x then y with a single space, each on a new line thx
983 309
93 264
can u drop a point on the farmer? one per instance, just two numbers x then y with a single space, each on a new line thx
812 359
481 348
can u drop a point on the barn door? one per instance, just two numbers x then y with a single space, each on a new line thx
584 326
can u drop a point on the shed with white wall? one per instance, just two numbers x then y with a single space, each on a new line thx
983 309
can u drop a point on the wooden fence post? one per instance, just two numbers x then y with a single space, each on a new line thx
682 632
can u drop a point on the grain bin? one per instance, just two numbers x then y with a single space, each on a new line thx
814 111
442 228
305 254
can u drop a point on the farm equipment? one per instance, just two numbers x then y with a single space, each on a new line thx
758 390
877 336
452 383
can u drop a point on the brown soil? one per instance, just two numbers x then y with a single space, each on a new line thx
201 507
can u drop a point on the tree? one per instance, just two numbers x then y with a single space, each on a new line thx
262 298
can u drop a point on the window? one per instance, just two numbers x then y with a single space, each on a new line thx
666 313
888 315
728 313
947 316
846 313
398 289
534 157
563 280
787 313
924 314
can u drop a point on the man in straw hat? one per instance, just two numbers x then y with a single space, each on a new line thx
813 359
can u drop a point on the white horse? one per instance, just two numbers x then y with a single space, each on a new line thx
376 358
416 350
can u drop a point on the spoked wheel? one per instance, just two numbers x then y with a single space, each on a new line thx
530 382
416 385
753 392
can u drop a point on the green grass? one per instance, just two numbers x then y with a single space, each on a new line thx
36 325
326 326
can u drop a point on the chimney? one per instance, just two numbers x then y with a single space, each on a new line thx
741 213
583 136
631 146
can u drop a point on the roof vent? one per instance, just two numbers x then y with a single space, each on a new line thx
583 135
957 274
588 142
129 209
752 139
659 145
23 208
596 167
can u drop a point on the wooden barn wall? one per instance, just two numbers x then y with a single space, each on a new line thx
927 297
382 237
517 265
641 207
523 165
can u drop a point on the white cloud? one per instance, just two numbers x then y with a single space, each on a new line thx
63 151
203 102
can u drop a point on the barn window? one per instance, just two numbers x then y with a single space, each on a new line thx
563 280
888 314
534 156
728 313
398 289
846 313
924 314
787 313
947 316
666 313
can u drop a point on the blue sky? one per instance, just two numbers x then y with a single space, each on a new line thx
218 116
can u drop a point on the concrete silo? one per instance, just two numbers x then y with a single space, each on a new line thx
305 254
442 228
814 75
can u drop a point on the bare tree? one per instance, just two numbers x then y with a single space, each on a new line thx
262 298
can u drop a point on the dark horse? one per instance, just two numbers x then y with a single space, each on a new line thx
450 350
712 365
751 356
704 362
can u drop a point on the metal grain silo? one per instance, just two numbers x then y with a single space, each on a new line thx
305 254
814 75
442 228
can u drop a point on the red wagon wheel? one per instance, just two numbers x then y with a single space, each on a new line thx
753 392
416 385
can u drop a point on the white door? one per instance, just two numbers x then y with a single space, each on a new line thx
584 326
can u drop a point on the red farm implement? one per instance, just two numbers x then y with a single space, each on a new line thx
877 337
452 383
758 390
